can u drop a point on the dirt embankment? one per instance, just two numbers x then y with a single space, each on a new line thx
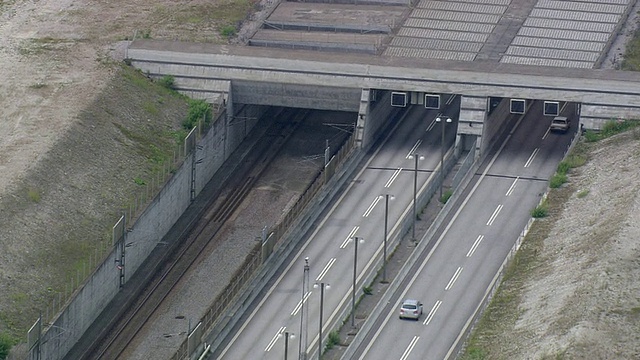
79 133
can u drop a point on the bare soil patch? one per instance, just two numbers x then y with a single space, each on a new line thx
80 133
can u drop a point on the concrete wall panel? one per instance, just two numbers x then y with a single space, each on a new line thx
495 123
380 112
595 116
148 230
297 96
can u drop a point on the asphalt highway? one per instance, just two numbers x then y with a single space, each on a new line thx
452 278
358 214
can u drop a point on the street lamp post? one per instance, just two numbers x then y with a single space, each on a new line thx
440 120
356 240
417 157
322 287
287 336
302 346
384 250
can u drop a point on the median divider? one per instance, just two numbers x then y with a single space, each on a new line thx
420 247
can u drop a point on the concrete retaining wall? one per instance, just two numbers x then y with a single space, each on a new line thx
379 115
150 227
495 124
595 116
296 96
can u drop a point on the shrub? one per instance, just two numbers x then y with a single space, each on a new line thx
563 167
167 81
591 136
582 194
6 342
475 353
34 195
557 180
575 161
611 128
540 211
198 110
333 340
446 195
368 290
228 31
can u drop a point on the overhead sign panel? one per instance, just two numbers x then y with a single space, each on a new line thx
518 106
399 99
432 101
551 108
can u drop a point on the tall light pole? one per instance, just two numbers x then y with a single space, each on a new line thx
440 120
384 250
287 336
417 157
302 346
356 240
322 286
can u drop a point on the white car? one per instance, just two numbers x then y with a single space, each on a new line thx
411 309
560 123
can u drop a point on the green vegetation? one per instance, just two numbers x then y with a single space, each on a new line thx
33 195
167 82
539 211
6 342
150 108
583 194
38 85
631 60
611 128
367 290
332 340
228 31
557 180
446 195
198 110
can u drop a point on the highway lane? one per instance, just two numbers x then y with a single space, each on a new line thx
452 278
358 213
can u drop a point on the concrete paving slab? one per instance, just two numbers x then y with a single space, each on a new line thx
337 14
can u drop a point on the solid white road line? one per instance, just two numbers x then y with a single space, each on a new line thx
432 313
494 215
475 245
455 277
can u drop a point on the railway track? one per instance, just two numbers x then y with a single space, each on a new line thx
202 234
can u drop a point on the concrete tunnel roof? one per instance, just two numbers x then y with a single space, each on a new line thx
478 78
